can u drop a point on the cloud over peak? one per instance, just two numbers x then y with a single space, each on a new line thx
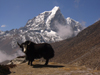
3 25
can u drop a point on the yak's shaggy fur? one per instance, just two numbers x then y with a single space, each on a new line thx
34 51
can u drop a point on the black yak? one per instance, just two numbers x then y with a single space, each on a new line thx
34 51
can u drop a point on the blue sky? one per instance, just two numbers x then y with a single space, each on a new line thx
15 13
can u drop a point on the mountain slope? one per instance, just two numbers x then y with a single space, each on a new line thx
84 49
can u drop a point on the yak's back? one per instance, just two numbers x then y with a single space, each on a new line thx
44 49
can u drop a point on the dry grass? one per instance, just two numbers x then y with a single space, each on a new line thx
51 69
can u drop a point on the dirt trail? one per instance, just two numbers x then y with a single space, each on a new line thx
52 69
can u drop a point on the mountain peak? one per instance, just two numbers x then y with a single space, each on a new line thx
55 8
68 18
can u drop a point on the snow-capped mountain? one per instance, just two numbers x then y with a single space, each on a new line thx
75 25
49 26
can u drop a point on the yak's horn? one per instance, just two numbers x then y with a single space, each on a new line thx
18 44
29 43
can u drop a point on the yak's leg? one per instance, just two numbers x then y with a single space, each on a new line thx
29 62
47 60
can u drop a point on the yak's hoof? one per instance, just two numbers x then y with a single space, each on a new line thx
28 63
45 64
31 64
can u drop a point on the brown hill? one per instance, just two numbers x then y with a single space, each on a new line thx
84 49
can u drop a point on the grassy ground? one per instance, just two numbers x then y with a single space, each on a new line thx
52 68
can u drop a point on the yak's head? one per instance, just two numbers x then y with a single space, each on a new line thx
24 46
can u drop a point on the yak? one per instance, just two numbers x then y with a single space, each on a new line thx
34 51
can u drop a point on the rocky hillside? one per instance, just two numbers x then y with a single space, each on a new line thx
84 49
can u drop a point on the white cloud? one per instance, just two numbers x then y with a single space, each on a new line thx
76 3
64 31
4 56
3 25
83 23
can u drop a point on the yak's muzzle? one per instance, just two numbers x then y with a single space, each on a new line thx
24 48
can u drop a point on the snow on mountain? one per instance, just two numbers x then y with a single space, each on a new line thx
49 26
52 15
76 26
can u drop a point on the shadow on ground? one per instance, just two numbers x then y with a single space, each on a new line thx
41 66
4 69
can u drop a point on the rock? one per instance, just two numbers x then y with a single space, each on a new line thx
17 60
